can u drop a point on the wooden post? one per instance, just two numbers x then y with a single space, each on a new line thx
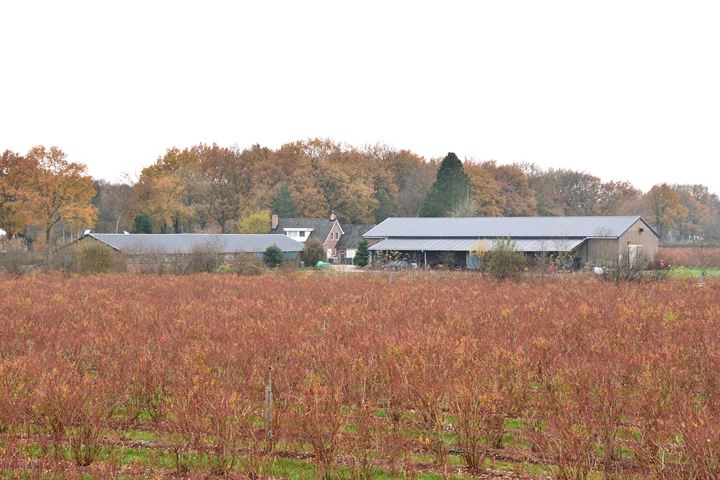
269 410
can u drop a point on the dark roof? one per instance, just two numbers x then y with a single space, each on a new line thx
321 226
353 234
150 243
495 227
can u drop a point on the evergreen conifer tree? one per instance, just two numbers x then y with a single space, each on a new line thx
451 188
142 223
283 206
362 256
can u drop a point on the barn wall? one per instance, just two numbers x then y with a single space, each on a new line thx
180 261
601 251
640 234
373 241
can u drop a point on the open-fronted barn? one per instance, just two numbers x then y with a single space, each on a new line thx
586 240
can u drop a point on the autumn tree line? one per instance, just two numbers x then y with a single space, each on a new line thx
46 199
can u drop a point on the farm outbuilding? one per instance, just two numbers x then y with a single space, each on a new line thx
140 248
593 240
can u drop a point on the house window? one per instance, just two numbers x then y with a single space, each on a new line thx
302 234
642 230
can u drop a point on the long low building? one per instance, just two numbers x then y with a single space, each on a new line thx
587 240
172 243
140 246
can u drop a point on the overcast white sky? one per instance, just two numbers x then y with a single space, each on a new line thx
626 90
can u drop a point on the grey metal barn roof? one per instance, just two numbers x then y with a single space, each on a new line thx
152 243
496 227
469 245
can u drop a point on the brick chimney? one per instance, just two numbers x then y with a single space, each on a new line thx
332 215
274 222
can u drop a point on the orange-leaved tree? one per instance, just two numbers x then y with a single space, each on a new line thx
17 192
64 190
666 211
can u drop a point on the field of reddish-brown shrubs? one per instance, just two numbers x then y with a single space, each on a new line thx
122 376
693 257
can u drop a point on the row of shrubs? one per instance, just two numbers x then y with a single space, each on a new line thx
582 380
697 256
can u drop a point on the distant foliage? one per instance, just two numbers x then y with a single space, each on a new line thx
142 223
46 198
450 189
44 189
256 222
698 256
516 196
568 192
115 203
94 257
202 259
15 259
383 257
211 186
244 264
667 213
64 191
362 255
314 252
504 261
273 256
284 206
18 192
